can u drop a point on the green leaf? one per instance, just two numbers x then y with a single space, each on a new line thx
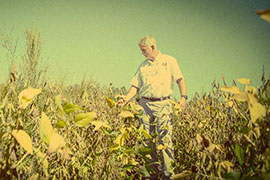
24 140
239 152
114 147
60 124
128 166
46 129
83 119
58 103
110 102
232 176
69 108
144 172
144 151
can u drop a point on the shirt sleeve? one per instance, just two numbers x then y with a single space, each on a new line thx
176 72
136 80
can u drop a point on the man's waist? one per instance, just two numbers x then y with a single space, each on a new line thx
156 99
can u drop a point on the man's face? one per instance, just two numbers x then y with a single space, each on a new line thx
147 51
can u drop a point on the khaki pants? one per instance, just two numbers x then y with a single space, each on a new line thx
157 119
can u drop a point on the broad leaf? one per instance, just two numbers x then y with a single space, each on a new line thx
256 109
110 102
241 97
144 151
99 124
146 135
232 176
243 81
239 152
24 140
26 96
264 14
232 89
83 119
120 140
56 142
69 108
126 114
60 124
46 129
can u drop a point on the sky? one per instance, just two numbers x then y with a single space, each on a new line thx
98 40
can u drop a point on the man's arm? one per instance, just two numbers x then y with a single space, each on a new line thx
131 93
183 91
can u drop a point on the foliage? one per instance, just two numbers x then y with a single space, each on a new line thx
218 135
78 132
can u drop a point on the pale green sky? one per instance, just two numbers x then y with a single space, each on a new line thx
99 38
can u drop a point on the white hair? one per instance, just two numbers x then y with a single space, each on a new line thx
147 41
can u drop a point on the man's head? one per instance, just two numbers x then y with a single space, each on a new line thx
148 47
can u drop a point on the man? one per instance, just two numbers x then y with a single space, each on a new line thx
154 81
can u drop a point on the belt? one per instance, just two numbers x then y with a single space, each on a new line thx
156 99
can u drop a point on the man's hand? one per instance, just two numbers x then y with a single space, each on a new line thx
182 103
121 102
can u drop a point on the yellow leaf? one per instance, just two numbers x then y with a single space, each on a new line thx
241 97
264 14
46 129
227 165
148 156
232 89
57 141
257 130
208 108
126 134
256 109
251 89
133 162
199 138
211 147
182 175
249 140
120 140
99 124
110 102
126 114
160 147
230 103
243 81
26 96
146 135
200 125
24 140
114 147
64 153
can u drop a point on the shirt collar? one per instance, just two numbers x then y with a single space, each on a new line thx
156 59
